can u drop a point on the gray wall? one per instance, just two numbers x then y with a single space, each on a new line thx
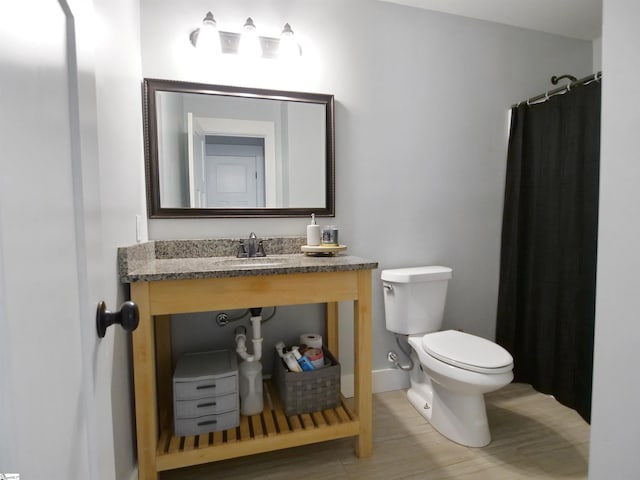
421 120
616 393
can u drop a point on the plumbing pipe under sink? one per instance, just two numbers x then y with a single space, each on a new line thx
250 369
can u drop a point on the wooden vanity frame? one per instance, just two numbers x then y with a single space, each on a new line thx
158 450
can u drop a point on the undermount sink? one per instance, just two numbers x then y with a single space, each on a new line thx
250 262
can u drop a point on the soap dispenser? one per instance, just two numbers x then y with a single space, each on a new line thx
313 232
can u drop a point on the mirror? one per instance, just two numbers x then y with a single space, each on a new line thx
220 151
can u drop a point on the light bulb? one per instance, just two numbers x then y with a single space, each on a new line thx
208 37
249 41
289 48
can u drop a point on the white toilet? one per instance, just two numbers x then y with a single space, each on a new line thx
451 370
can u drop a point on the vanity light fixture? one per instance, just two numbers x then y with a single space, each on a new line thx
249 44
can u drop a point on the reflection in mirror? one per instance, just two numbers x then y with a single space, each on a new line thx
214 151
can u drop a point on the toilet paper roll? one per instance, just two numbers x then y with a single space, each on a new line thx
311 340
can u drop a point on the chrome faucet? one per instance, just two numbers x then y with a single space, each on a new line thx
253 248
252 244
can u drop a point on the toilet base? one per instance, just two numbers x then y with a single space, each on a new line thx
461 418
421 401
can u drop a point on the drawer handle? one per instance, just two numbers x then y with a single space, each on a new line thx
208 404
208 422
204 387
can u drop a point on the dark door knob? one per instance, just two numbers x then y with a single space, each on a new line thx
128 317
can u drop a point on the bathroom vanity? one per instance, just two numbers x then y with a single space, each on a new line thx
197 276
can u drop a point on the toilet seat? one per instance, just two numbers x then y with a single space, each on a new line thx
467 351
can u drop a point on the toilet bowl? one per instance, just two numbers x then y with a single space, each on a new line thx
452 370
451 396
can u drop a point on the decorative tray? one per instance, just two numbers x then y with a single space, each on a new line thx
322 249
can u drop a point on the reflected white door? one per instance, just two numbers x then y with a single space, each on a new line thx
234 176
55 406
231 181
195 150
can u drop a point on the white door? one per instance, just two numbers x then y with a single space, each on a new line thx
234 176
55 406
197 185
231 181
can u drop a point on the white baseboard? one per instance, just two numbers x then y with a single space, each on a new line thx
384 380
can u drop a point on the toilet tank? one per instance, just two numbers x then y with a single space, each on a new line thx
414 298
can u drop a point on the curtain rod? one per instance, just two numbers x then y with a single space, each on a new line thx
565 88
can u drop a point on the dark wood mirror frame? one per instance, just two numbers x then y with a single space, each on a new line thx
155 210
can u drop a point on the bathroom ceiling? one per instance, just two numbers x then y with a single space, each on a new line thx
580 19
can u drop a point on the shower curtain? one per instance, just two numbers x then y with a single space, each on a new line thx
546 300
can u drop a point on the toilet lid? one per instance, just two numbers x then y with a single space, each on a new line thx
467 351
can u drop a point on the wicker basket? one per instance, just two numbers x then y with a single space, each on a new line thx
306 392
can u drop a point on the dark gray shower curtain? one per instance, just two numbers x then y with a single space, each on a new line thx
546 301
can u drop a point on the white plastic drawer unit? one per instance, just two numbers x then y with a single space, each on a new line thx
205 392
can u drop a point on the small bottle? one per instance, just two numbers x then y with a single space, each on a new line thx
304 362
291 362
315 356
313 232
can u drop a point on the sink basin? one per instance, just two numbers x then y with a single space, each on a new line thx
252 262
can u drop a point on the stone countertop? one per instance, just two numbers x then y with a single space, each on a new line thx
196 259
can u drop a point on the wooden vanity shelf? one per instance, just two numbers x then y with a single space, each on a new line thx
271 430
163 287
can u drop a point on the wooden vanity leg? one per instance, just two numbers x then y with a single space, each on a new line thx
362 364
333 338
164 366
144 377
